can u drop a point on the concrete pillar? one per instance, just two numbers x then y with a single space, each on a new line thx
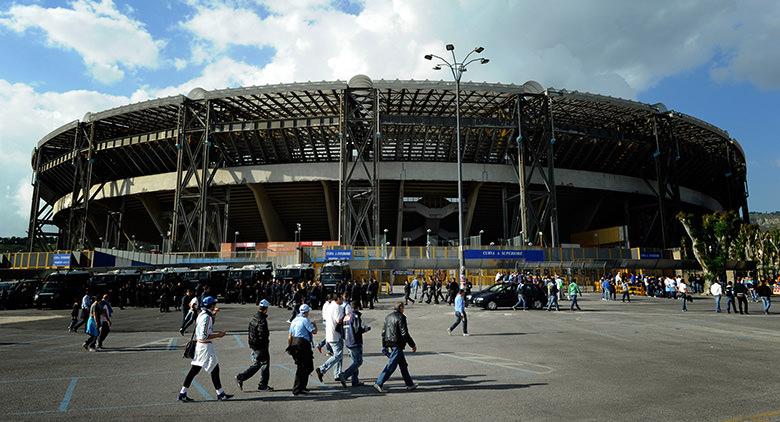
330 207
152 206
473 196
272 224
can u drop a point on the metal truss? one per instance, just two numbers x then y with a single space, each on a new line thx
195 170
82 161
360 140
538 208
41 215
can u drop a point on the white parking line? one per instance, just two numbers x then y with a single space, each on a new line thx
515 365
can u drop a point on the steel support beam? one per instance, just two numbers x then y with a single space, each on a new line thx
359 182
195 170
472 207
41 214
83 150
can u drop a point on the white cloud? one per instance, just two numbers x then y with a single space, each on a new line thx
108 41
27 116
611 47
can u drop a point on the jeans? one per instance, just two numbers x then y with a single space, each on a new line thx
458 318
334 361
574 302
553 301
717 303
414 292
357 359
397 359
257 365
105 328
730 304
84 318
626 297
521 302
767 301
684 302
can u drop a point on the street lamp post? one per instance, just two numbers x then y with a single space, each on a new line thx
385 243
133 237
481 232
457 69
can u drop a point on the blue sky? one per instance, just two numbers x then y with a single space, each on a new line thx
714 59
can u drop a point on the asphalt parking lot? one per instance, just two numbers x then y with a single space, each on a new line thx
613 361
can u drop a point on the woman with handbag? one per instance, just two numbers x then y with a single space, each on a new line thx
201 350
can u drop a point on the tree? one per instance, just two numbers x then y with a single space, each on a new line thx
713 241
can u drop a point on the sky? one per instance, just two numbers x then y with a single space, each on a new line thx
714 59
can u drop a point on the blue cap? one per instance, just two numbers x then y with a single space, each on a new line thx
208 301
264 304
303 309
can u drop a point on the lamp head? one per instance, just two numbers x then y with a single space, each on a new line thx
479 49
437 67
484 61
450 47
428 57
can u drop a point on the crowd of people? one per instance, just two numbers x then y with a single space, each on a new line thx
433 288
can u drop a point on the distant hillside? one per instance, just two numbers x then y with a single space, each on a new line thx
767 220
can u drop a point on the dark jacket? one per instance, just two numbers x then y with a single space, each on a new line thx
258 332
353 332
395 333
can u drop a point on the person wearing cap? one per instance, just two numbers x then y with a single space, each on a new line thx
395 337
299 339
258 342
205 355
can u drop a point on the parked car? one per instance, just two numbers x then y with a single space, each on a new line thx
61 289
19 293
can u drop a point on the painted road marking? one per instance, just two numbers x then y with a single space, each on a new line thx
238 341
68 395
15 319
516 365
202 390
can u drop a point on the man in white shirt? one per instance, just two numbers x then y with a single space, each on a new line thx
682 290
333 330
716 290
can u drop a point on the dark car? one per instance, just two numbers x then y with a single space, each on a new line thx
60 289
334 273
501 295
19 293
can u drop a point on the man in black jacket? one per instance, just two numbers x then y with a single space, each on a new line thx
258 342
395 337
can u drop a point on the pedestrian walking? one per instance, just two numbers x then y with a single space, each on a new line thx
408 292
353 340
395 337
741 291
192 311
522 295
105 320
682 290
552 296
716 290
258 340
460 314
730 298
333 331
299 338
205 354
75 312
765 293
626 291
86 303
92 325
574 293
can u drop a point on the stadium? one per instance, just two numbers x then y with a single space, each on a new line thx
366 162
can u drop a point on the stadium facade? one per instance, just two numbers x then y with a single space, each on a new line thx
366 162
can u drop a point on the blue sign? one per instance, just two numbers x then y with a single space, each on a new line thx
338 254
533 255
649 255
61 260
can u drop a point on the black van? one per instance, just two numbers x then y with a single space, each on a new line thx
111 281
333 273
61 289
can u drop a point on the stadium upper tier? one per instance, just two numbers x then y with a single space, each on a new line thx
299 123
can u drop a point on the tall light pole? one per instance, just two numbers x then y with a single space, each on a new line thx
481 232
235 240
457 68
